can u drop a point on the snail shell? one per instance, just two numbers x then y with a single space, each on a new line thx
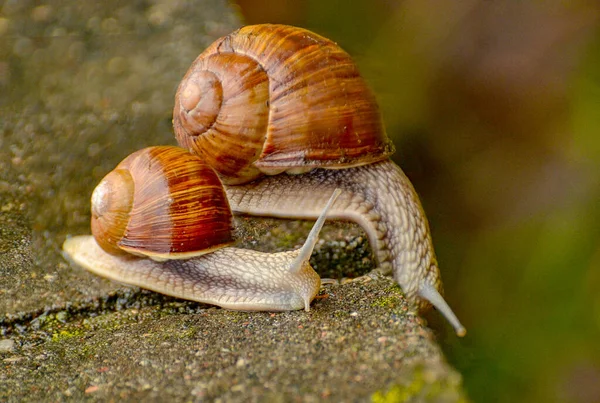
273 98
161 202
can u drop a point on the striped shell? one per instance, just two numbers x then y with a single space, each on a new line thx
273 98
161 202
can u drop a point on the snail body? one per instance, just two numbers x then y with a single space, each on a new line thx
296 104
172 261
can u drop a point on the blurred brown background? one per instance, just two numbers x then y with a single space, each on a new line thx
494 107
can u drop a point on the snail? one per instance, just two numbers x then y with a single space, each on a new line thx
284 116
161 221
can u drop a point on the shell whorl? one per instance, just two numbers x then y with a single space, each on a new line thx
270 98
161 202
112 201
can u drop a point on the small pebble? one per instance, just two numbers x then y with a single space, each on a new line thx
7 346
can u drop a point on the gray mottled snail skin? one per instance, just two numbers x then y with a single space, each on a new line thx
161 221
268 101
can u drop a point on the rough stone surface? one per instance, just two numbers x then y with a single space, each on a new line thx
82 85
358 339
7 346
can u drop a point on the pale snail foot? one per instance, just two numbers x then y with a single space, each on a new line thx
361 279
329 281
345 280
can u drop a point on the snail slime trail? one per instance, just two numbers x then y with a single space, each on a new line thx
284 116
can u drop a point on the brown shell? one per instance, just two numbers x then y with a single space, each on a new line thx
161 202
269 98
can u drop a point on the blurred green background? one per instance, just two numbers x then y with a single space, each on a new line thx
494 107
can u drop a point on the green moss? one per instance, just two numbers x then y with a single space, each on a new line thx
67 334
236 316
423 386
187 334
386 302
395 288
286 240
392 298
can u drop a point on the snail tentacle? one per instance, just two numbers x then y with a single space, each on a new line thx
432 295
307 249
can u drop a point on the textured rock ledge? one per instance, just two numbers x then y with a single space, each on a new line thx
358 341
83 85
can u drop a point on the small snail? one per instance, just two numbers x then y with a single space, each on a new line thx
161 221
269 99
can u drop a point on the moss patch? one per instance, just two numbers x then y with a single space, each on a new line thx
424 385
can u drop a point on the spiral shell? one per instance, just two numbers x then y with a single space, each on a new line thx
161 202
272 98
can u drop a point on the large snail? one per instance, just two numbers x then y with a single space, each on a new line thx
161 221
269 99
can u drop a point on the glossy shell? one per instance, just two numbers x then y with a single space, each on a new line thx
161 202
272 98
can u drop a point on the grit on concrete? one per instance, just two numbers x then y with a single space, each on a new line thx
83 84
